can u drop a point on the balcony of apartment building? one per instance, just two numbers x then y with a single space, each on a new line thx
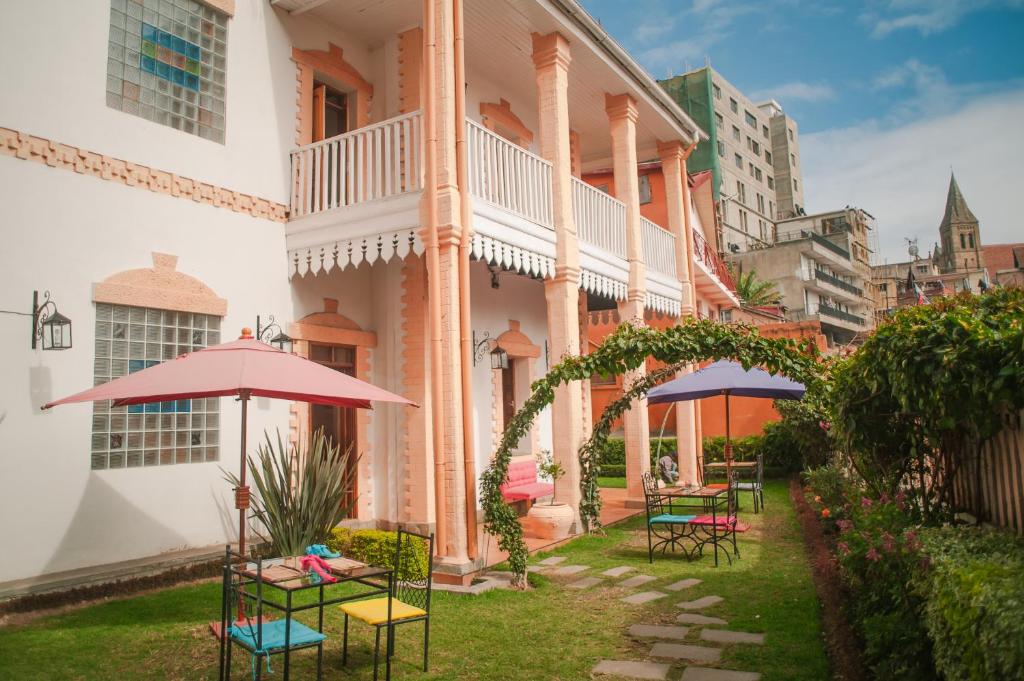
819 279
357 183
832 249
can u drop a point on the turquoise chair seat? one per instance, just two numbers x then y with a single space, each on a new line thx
273 636
748 486
670 519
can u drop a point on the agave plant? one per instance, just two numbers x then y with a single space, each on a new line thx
301 493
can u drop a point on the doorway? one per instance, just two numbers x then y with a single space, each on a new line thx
338 423
330 112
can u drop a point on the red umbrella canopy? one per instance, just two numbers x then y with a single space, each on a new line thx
244 365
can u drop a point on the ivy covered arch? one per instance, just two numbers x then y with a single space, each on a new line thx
626 349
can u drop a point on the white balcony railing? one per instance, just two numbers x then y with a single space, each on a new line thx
600 218
508 176
375 162
659 248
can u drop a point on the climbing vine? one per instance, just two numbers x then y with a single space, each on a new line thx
626 349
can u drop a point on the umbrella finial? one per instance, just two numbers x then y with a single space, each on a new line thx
246 333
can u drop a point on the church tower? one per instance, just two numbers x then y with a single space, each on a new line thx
959 234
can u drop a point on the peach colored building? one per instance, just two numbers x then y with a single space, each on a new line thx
399 182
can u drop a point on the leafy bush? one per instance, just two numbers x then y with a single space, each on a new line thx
377 547
614 453
743 448
974 602
613 470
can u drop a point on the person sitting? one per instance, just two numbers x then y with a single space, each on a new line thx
667 470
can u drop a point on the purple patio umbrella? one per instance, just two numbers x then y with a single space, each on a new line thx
726 378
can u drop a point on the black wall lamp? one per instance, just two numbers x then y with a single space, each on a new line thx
50 329
273 334
499 358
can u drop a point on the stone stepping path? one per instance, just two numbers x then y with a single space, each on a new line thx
701 603
636 581
726 636
585 583
617 571
633 670
706 674
553 560
682 651
666 631
683 584
570 570
694 618
642 597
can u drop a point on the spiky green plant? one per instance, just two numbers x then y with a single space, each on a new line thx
756 292
302 493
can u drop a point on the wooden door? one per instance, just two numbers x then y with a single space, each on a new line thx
338 423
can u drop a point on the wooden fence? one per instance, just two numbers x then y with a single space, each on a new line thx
995 493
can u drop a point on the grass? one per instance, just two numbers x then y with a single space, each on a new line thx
549 632
611 482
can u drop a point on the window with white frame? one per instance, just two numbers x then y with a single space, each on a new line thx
130 339
166 62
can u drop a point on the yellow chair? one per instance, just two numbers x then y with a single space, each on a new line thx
408 602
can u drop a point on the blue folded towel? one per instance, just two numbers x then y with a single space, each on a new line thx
322 551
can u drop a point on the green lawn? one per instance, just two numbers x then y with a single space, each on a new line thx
549 632
612 482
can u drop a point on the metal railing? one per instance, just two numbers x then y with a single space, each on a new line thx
821 275
835 313
600 218
508 175
367 164
838 250
703 252
659 247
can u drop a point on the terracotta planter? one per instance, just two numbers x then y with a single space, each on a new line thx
551 521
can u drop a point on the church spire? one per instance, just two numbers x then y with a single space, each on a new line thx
956 204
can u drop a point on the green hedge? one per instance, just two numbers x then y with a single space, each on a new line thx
973 593
613 458
377 547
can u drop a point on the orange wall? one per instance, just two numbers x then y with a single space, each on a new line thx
656 210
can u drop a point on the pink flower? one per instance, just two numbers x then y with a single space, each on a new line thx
824 425
884 499
888 542
865 502
872 554
901 498
844 548
844 524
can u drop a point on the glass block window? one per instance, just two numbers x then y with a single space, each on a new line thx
182 431
166 62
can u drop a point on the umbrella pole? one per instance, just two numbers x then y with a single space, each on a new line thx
728 443
242 492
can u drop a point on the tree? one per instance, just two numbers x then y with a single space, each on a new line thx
756 292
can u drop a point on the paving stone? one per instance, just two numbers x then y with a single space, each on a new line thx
633 670
705 674
585 583
643 597
725 636
570 570
553 560
617 571
694 618
658 631
683 584
700 603
681 651
636 581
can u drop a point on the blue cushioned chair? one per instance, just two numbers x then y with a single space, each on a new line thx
662 523
756 485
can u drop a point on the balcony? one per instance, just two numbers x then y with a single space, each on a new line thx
838 250
829 311
713 279
819 249
821 275
831 286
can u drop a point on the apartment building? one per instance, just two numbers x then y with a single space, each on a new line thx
387 179
749 145
821 267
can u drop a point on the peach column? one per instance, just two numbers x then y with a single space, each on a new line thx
442 229
622 117
688 418
551 56
673 163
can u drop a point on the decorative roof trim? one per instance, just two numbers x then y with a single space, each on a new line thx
512 258
344 253
160 287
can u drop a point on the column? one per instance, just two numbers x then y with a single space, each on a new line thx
622 116
444 321
673 164
551 58
688 431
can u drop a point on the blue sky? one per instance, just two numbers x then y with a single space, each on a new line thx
889 95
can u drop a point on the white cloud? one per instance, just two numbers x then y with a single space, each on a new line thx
706 23
796 90
900 173
929 16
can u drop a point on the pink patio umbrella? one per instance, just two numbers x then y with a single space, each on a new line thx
246 368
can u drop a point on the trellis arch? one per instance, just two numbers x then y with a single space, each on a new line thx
693 340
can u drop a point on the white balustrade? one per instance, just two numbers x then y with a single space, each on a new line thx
659 248
375 162
600 218
508 175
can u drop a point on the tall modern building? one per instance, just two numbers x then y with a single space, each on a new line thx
753 152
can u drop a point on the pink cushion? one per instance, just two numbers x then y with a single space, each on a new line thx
709 520
534 490
521 472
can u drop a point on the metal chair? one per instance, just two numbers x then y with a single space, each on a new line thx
719 529
756 485
408 602
660 518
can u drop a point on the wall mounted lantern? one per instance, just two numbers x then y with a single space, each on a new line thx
273 334
499 358
50 329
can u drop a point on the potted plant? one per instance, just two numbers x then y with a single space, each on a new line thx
554 519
